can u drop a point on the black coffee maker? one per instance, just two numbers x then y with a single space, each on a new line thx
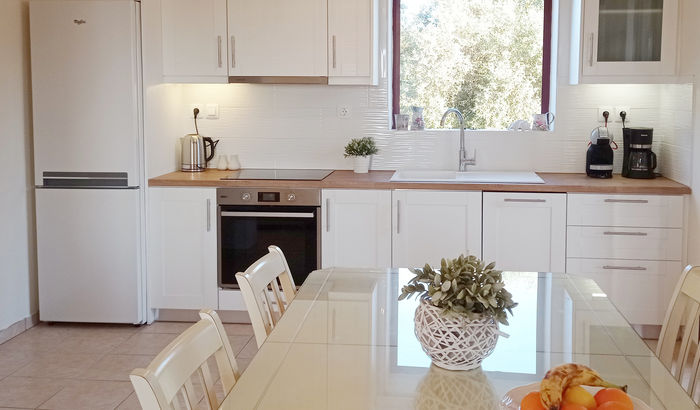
599 157
638 160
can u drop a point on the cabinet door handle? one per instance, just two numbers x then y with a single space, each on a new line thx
328 214
590 55
610 267
625 233
218 42
334 52
398 216
208 214
233 51
523 200
628 201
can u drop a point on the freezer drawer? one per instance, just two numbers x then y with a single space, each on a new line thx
88 248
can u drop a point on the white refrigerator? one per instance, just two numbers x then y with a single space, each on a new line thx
88 159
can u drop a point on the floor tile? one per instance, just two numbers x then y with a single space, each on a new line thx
89 394
237 329
13 360
239 342
116 367
97 342
166 327
130 403
28 392
249 350
58 365
145 343
39 339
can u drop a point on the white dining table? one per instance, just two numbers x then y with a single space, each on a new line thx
346 342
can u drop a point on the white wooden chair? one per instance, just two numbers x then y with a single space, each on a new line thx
168 377
682 319
265 276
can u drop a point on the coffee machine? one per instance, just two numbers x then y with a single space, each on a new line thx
638 159
599 157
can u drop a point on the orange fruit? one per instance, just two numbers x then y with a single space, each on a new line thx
611 394
572 406
579 395
531 402
615 405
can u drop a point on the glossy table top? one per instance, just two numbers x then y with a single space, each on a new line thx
347 343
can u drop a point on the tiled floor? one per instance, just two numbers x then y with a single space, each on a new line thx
76 366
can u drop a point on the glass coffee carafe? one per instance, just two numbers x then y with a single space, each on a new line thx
642 160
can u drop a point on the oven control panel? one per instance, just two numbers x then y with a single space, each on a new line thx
267 196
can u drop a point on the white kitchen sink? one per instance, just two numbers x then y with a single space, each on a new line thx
475 177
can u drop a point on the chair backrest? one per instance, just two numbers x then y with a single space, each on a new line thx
264 277
682 319
168 378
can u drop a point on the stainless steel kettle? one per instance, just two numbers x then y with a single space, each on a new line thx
194 156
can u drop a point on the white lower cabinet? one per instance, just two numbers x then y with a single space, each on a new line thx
182 248
431 225
356 228
525 231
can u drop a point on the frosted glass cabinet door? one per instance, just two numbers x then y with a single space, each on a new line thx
622 37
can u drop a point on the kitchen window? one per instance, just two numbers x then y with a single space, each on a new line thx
488 58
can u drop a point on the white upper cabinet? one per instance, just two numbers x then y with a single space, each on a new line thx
277 38
625 41
182 257
352 42
356 228
525 231
194 41
431 225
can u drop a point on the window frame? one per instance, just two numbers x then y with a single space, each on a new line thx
396 60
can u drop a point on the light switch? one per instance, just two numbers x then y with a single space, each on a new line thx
213 111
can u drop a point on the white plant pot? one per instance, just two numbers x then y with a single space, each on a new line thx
454 342
361 164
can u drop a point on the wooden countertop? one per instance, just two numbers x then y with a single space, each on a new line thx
554 182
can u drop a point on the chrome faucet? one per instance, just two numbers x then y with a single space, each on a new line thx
464 160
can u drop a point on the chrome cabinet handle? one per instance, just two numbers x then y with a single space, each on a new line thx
233 51
625 233
208 214
328 214
269 214
523 200
398 216
218 40
590 56
628 201
610 267
334 52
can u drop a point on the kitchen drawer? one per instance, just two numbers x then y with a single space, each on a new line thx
657 211
641 290
624 243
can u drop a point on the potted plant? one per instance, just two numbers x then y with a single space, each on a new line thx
361 149
460 307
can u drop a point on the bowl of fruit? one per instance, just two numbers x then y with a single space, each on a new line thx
571 387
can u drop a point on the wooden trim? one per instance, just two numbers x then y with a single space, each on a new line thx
396 61
546 55
278 80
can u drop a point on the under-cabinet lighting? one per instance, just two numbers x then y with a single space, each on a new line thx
599 295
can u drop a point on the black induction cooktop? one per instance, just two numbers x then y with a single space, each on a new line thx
280 174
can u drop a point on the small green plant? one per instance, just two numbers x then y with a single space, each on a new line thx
463 286
361 147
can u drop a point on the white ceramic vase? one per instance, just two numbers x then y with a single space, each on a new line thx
454 342
361 164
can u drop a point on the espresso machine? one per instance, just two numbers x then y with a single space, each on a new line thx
638 159
599 157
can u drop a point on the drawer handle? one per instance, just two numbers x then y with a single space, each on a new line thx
628 201
328 214
610 267
625 233
523 200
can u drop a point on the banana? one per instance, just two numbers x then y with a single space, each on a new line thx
571 374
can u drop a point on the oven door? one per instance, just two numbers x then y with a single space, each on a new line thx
245 232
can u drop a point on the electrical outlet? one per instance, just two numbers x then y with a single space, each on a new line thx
344 111
610 110
190 112
627 110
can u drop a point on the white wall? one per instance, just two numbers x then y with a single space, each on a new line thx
18 290
297 126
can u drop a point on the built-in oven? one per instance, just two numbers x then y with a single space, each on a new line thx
251 219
